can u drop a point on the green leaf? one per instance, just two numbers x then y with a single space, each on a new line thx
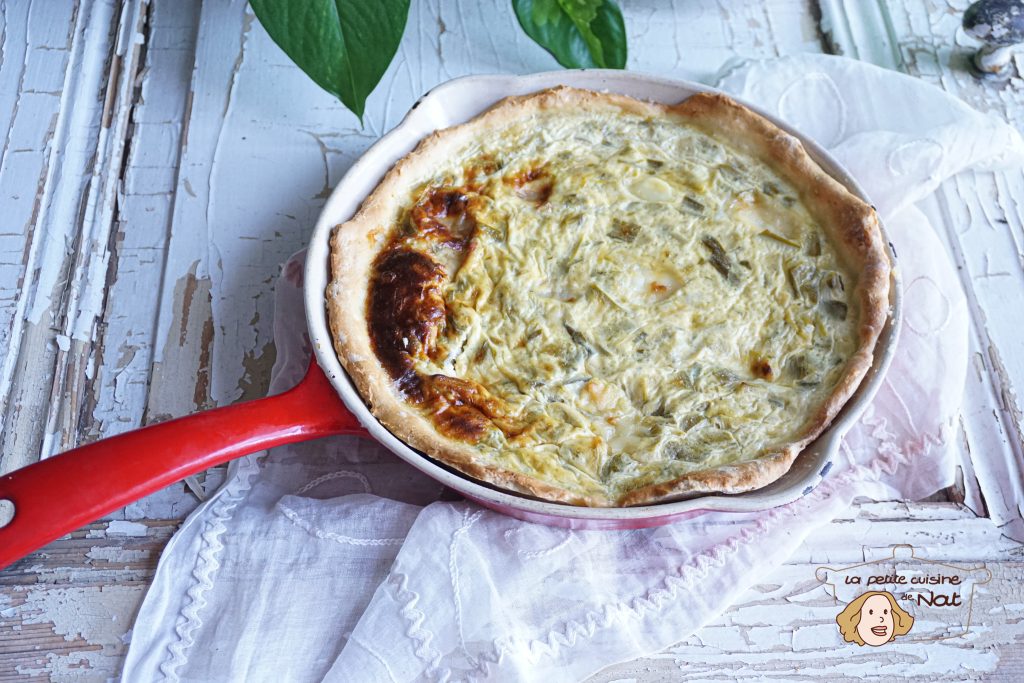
578 33
345 46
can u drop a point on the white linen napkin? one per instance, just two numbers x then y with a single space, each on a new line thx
334 560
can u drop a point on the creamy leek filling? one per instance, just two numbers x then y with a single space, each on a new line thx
645 299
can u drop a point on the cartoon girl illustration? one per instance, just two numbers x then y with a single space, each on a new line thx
873 619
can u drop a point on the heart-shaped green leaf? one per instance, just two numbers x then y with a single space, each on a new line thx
578 33
345 46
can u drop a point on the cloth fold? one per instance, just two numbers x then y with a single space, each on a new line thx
335 561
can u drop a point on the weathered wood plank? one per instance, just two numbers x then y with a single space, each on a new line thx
67 257
116 399
65 611
40 42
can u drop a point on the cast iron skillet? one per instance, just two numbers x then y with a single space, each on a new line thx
55 496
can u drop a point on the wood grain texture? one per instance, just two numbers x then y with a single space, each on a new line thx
45 60
65 612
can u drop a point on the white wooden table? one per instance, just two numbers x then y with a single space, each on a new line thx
162 159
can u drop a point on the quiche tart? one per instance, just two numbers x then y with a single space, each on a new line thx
602 301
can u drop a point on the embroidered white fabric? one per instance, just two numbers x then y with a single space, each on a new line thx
335 561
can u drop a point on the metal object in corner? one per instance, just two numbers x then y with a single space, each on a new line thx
999 24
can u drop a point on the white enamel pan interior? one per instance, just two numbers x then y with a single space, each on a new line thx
458 101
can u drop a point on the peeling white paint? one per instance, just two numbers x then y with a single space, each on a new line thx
78 666
63 607
123 528
30 117
76 130
115 554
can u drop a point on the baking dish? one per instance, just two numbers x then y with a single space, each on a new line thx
458 101
57 495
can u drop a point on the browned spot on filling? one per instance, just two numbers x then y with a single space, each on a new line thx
533 185
407 317
760 367
477 174
406 312
463 409
442 215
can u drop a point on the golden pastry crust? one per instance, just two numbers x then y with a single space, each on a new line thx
357 244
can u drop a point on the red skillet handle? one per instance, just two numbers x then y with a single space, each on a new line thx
60 494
